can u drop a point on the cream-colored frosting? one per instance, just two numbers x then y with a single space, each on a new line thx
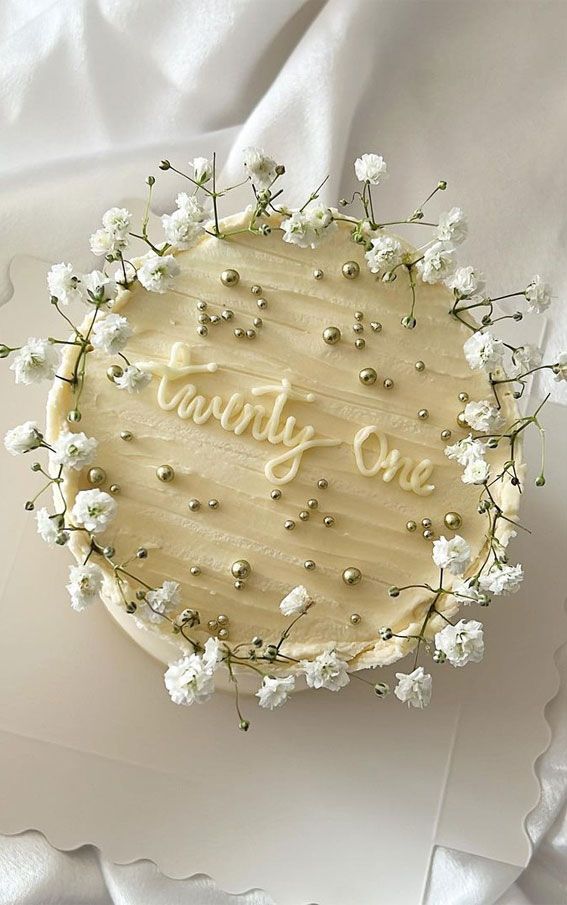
236 418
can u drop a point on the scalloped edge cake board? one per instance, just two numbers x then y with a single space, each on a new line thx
335 800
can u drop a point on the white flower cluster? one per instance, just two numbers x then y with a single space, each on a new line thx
191 679
261 168
307 227
67 286
112 237
187 223
36 360
23 438
94 510
111 333
85 584
470 453
159 602
157 273
73 450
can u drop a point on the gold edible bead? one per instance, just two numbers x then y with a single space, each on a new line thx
241 569
388 383
367 376
113 372
194 505
359 316
202 305
426 522
462 421
212 625
165 473
276 494
331 335
238 332
318 274
328 521
96 476
255 289
358 328
463 397
222 634
428 534
289 524
227 314
114 488
453 520
360 343
322 483
411 526
222 619
304 515
423 414
258 322
215 319
202 330
229 277
446 434
312 504
251 334
309 565
195 570
350 270
376 326
420 366
239 585
213 504
262 303
352 576
355 618
126 435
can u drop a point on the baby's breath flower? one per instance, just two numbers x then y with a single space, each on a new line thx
47 527
260 167
476 472
23 438
73 450
414 688
308 227
483 416
94 509
560 369
466 281
461 643
538 295
326 671
157 273
296 602
117 221
483 350
502 579
452 227
185 224
103 243
37 360
438 263
99 287
85 583
524 358
189 680
133 379
65 284
202 169
160 601
454 555
111 333
467 591
371 168
385 253
274 691
466 450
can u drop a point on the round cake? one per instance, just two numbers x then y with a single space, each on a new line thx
293 435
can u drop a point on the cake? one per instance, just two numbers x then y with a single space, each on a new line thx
295 459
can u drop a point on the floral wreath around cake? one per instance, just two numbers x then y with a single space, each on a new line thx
191 678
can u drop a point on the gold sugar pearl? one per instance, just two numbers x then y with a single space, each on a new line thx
262 303
355 618
213 504
96 476
258 322
375 326
223 634
238 332
446 434
289 524
114 488
312 504
453 520
419 366
426 522
222 619
165 473
322 483
202 330
352 576
367 376
194 505
411 525
358 316
350 270
276 494
126 435
227 314
215 320
388 383
328 521
304 515
201 305
358 328
463 397
230 277
212 625
239 585
241 569
113 372
255 289
195 570
309 565
318 274
204 319
428 534
251 334
462 421
331 335
360 343
423 414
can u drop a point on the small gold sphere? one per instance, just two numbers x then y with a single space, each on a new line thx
114 488
376 326
360 343
222 619
304 515
426 523
350 270
229 277
212 625
251 334
258 322
352 576
318 274
202 330
194 505
411 526
367 376
96 476
388 383
463 397
328 521
126 435
446 434
462 421
239 585
359 315
331 335
276 494
222 634
355 618
262 304
309 565
241 569
289 524
428 534
238 332
165 473
420 366
312 504
195 570
202 305
227 314
255 289
74 416
113 372
204 319
358 328
213 504
322 483
423 414
215 319
453 520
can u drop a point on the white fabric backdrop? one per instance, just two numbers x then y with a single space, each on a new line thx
94 92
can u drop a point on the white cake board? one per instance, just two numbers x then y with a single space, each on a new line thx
334 800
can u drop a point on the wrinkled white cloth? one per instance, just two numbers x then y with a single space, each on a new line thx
94 92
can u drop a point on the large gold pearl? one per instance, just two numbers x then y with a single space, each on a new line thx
230 277
352 576
165 473
331 335
462 421
350 270
96 476
241 569
453 520
367 376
